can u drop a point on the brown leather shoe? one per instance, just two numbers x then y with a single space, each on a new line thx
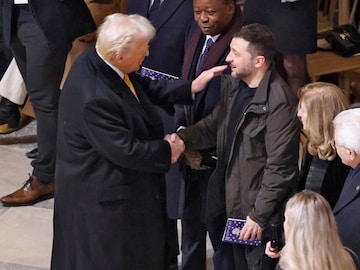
33 191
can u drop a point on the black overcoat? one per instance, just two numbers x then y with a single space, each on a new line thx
346 212
109 202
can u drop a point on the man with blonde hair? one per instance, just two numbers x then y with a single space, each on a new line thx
112 155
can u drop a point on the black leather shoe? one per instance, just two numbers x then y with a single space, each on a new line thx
33 154
9 116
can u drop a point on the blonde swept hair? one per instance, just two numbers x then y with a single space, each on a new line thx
119 32
322 101
311 236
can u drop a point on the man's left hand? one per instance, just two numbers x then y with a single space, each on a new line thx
251 230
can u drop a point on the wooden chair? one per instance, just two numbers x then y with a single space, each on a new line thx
326 12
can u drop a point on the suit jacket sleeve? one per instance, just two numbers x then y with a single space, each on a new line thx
203 134
165 92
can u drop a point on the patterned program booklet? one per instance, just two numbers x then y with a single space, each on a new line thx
156 75
232 233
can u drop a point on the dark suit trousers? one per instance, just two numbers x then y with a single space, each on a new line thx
41 66
194 229
254 258
5 54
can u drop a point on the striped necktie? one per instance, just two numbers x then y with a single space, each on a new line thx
130 85
202 57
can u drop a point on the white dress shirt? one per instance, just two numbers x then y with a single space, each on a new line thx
20 2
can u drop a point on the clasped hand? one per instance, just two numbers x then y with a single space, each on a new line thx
193 159
251 230
177 146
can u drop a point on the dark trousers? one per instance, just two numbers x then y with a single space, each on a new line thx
5 54
42 67
254 258
172 245
194 229
4 60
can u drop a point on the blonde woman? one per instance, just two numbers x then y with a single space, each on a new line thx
322 170
312 240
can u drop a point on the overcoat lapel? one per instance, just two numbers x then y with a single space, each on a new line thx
109 76
192 52
217 53
148 111
350 191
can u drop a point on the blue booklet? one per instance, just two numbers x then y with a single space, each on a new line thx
156 75
232 233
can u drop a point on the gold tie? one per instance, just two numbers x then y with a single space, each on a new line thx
130 85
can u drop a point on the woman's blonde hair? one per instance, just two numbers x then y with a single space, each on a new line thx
322 101
312 240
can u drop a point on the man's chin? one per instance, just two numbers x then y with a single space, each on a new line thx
206 31
234 74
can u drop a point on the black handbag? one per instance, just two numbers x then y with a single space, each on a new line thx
345 40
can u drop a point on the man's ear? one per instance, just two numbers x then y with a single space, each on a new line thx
118 57
259 61
231 8
351 152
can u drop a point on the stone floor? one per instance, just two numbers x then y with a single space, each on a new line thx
26 232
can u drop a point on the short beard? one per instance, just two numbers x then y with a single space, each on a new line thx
244 74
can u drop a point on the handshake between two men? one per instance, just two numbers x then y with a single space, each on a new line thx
193 158
177 145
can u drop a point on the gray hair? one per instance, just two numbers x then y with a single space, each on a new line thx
118 32
347 128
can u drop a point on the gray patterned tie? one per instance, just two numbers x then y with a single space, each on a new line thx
202 57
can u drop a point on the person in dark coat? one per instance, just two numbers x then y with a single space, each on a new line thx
40 34
112 155
216 26
347 145
256 133
294 24
166 54
170 22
